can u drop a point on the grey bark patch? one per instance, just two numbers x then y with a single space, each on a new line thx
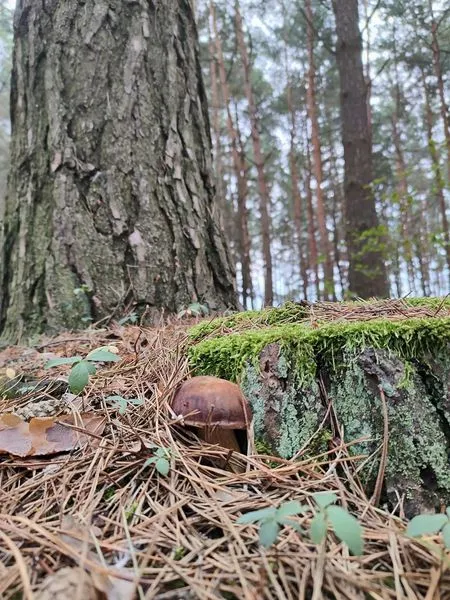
286 414
417 468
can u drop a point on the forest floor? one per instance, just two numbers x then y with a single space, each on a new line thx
88 516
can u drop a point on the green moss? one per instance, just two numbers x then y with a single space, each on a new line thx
409 339
262 447
251 319
435 302
295 313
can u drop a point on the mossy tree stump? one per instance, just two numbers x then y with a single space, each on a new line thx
369 360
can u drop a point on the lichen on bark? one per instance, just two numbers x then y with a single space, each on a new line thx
286 412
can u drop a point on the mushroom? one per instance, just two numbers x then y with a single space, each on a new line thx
218 411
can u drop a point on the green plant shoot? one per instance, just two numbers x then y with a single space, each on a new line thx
82 368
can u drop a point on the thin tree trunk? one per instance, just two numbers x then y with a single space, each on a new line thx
440 85
295 181
367 74
400 170
325 249
402 191
259 161
244 168
239 165
227 208
298 218
338 203
111 195
313 254
365 239
438 179
422 248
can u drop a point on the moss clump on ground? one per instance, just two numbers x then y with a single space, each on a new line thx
251 319
308 347
321 313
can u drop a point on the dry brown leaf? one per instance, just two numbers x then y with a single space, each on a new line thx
68 583
48 435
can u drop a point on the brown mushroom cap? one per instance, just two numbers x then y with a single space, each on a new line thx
212 402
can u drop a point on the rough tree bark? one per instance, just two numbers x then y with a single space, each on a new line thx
367 272
111 185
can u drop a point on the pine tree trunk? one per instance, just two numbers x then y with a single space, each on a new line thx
337 205
437 65
111 185
438 178
402 191
243 217
367 272
421 240
259 162
313 254
227 207
239 165
401 176
367 64
295 185
325 249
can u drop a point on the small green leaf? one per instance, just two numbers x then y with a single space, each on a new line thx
291 508
257 515
122 403
78 377
268 532
426 525
318 528
163 452
136 401
102 356
150 461
56 362
291 523
347 528
324 499
162 466
91 368
446 535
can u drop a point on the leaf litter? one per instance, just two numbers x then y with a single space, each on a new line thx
99 521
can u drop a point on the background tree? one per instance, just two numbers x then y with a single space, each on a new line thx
406 65
111 196
367 275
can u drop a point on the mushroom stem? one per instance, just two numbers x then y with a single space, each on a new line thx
226 438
